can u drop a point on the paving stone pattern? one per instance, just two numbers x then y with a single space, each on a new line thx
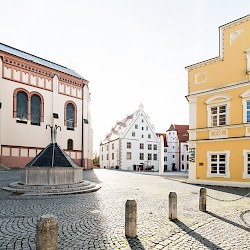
97 220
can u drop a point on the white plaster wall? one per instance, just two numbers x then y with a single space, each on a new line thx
192 113
173 150
13 133
140 119
107 149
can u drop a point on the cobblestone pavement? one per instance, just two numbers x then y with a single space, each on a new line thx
96 220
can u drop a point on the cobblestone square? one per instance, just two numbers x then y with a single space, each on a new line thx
97 220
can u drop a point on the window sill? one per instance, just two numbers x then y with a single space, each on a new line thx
71 129
20 121
35 124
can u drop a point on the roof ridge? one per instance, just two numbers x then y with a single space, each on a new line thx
38 60
34 55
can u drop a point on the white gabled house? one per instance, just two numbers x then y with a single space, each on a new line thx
132 144
175 148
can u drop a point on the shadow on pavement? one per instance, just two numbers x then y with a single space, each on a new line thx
229 221
90 176
135 243
230 190
207 243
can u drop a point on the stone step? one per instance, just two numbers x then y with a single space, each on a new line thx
44 190
17 185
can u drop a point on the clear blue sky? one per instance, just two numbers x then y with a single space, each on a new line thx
131 51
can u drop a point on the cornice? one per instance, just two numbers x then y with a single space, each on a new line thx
41 70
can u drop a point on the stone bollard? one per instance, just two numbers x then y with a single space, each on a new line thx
172 206
130 218
203 200
47 233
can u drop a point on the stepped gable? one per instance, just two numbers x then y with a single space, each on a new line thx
44 158
119 127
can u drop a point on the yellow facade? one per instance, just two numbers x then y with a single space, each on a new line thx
219 105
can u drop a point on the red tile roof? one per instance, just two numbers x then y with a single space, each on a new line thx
182 132
164 138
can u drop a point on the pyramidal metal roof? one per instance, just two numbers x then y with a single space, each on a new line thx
39 60
52 156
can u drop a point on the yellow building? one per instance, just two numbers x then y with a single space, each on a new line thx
219 111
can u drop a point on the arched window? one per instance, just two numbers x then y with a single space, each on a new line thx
70 144
35 109
70 116
22 107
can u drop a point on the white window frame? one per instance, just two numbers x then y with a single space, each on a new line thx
155 157
215 101
141 156
129 156
149 157
245 153
245 98
227 172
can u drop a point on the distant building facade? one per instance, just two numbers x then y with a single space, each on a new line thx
35 93
176 148
219 108
132 144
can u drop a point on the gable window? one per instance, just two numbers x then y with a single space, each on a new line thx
70 144
35 110
149 136
218 164
149 146
133 134
112 145
136 126
155 147
22 107
128 144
